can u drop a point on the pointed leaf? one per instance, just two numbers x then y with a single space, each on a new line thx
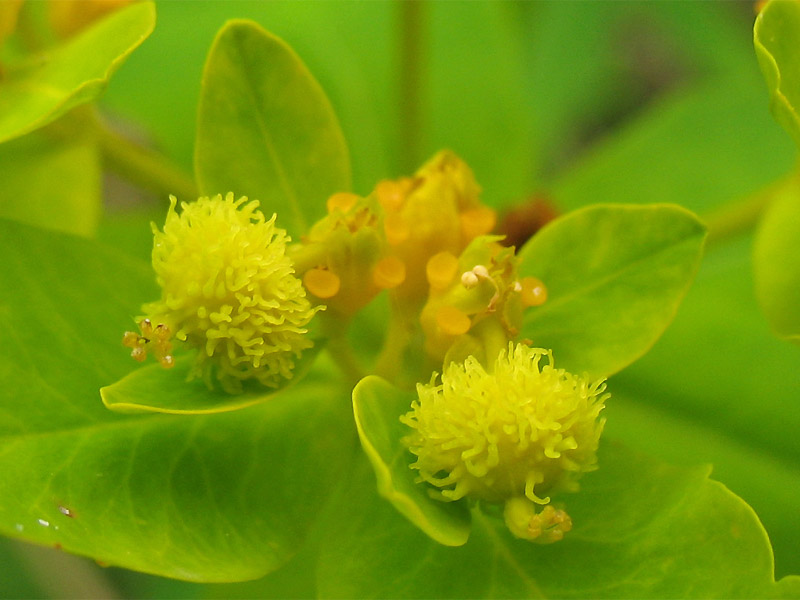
266 129
73 73
220 497
615 275
377 405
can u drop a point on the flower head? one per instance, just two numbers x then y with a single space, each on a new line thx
513 435
228 289
438 210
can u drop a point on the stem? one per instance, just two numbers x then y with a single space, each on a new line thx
738 218
391 358
145 168
335 329
411 19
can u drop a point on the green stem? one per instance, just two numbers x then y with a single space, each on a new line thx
411 17
145 168
335 329
392 356
738 218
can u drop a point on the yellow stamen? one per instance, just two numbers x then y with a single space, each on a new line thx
452 321
441 269
342 201
396 229
322 282
389 272
533 292
477 221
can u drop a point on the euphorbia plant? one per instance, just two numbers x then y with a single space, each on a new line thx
367 385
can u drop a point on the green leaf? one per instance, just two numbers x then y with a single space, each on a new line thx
154 389
51 182
615 275
642 529
220 497
776 261
775 37
266 129
719 387
377 406
73 73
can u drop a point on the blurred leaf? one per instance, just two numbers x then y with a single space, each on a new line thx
699 148
377 405
73 73
15 580
775 37
776 261
719 386
266 129
642 530
203 498
462 107
615 276
153 389
53 182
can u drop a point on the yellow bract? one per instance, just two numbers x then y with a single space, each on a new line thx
228 289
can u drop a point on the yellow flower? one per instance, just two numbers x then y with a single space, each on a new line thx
227 289
512 435
438 210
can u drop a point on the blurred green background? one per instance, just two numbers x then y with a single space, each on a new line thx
576 102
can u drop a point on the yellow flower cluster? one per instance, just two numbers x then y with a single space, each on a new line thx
512 434
227 289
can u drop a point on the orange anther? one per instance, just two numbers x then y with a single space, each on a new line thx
389 272
441 269
342 201
396 229
452 321
322 282
391 194
533 292
477 221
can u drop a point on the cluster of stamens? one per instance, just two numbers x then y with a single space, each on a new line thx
153 340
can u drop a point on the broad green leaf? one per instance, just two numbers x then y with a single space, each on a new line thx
642 529
220 497
266 129
775 37
51 182
720 387
615 275
776 261
72 73
154 389
377 406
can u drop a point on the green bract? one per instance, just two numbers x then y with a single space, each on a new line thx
37 93
284 147
777 252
